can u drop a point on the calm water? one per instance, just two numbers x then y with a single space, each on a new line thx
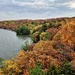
10 43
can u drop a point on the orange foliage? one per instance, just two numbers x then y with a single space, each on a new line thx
66 35
42 51
30 47
52 32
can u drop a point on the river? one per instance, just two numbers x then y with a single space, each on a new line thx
10 43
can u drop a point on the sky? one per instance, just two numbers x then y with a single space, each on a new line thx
36 9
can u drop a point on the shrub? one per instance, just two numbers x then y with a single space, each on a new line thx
41 30
51 25
33 31
37 70
44 36
53 70
34 23
35 36
47 36
18 30
1 61
25 46
44 27
23 30
59 20
67 69
64 69
53 20
9 67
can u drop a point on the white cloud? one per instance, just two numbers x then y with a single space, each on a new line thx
35 3
70 4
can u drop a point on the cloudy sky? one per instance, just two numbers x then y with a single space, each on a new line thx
36 9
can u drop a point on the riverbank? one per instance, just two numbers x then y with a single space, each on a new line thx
53 52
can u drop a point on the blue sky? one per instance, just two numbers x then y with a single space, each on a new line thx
36 9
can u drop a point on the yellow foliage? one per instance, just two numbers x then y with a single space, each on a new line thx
37 27
1 72
10 67
34 36
42 35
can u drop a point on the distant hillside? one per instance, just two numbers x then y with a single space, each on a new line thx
12 24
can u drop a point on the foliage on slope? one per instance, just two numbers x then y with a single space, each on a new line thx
59 47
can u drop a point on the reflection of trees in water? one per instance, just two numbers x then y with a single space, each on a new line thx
22 37
27 39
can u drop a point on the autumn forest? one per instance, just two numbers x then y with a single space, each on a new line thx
52 51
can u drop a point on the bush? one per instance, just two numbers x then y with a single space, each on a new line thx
44 36
25 46
67 69
47 36
59 20
64 69
34 23
53 20
33 31
53 70
9 67
18 30
23 30
37 70
1 61
36 37
44 27
41 30
51 25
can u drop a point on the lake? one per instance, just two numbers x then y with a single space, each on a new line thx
10 43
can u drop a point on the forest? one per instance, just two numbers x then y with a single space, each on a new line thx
52 51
